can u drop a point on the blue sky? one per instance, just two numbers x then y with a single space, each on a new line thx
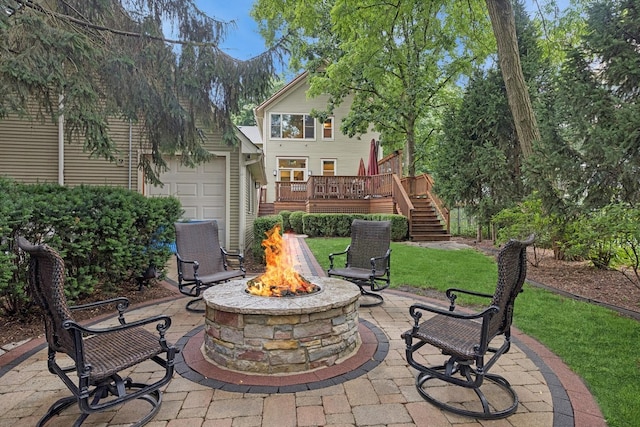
242 42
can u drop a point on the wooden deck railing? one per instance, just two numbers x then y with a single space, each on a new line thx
335 187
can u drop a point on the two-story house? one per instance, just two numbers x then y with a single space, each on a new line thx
297 146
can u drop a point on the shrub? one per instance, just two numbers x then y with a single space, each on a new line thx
339 225
286 225
295 219
260 227
107 236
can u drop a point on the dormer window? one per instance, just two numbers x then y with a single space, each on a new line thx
292 126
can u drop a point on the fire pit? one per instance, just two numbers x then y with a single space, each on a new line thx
271 335
280 322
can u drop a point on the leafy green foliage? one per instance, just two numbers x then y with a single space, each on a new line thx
107 236
399 60
295 219
478 162
598 93
339 225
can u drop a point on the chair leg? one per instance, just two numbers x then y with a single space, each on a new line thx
367 294
153 398
489 411
191 303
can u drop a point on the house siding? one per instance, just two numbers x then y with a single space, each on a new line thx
29 150
346 151
29 154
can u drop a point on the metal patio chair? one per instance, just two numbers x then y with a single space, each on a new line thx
202 262
368 259
99 356
466 339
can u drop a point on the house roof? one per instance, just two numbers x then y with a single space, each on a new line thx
253 156
252 133
259 110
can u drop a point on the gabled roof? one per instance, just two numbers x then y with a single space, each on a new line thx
259 110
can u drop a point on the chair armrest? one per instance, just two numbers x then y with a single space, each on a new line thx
122 304
163 324
416 312
181 261
238 256
332 255
451 294
374 260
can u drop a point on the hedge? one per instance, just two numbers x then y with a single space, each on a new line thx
107 236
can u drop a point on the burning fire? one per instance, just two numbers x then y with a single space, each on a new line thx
279 279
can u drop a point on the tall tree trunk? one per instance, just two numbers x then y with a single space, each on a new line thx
504 29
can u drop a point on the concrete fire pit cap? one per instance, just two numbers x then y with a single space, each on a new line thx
231 297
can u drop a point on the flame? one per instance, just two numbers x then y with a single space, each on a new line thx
280 278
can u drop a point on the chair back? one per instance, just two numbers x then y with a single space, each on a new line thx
369 239
46 282
199 241
512 270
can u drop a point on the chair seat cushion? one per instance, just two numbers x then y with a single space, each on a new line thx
354 273
221 276
453 336
110 353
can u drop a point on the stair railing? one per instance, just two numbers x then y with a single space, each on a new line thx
404 205
422 185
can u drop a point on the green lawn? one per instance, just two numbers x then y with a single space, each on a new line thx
598 344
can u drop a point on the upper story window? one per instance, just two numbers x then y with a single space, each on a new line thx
293 126
327 128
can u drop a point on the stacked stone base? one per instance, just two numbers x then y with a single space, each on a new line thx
309 334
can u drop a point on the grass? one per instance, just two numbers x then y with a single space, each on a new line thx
598 344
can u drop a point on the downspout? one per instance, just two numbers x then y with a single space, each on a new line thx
130 155
61 141
243 204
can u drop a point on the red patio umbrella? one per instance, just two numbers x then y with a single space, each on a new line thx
361 169
372 168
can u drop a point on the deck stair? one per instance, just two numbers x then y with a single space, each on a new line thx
425 224
266 209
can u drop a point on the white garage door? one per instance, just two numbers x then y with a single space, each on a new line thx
201 190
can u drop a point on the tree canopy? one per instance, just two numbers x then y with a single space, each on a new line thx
399 60
93 61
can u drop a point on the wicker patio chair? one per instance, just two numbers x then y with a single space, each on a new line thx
368 259
466 339
99 356
202 262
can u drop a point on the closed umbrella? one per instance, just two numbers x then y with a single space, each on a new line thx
372 168
362 171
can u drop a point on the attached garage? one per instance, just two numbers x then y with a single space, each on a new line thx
202 191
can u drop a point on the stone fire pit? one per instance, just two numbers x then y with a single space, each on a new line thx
276 335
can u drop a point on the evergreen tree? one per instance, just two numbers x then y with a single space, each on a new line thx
598 99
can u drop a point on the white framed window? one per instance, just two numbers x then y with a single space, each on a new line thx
292 169
328 129
292 126
328 167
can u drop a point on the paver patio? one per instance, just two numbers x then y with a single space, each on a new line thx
378 391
